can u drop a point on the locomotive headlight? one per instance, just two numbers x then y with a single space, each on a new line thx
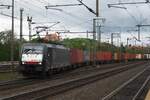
40 63
23 63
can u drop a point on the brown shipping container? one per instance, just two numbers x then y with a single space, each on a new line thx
104 56
132 56
117 56
100 56
108 56
127 56
76 56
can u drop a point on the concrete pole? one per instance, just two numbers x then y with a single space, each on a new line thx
99 34
112 38
127 42
97 8
12 35
87 35
21 24
138 32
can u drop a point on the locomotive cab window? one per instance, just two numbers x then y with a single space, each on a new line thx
32 50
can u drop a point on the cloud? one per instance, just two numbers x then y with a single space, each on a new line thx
78 18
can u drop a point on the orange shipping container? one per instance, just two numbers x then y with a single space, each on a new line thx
76 56
103 56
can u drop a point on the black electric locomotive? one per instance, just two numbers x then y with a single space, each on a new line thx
41 58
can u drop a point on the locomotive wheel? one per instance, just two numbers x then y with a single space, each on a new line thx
49 73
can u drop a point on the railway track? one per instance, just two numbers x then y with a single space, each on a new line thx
134 89
42 91
8 62
17 83
26 81
6 66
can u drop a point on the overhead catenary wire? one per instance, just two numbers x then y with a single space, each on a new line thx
8 15
76 20
132 16
23 5
37 9
75 17
130 3
43 1
65 13
40 8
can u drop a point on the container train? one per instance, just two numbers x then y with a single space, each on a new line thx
41 59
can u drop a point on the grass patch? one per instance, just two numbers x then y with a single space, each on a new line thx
9 76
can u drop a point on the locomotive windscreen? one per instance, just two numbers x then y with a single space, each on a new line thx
32 49
32 54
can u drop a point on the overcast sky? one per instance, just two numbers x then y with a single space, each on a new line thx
79 18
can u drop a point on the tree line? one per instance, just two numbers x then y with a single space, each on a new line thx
5 44
81 43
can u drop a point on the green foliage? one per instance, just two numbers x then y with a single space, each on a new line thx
106 47
5 52
135 50
5 37
37 40
80 43
89 44
5 46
